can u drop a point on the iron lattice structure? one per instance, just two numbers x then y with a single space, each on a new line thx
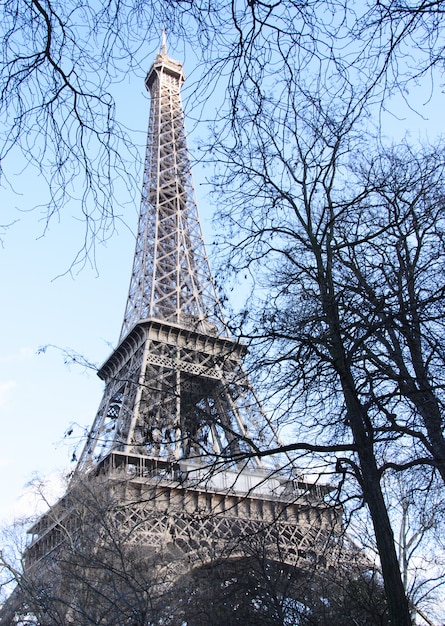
175 388
171 278
173 447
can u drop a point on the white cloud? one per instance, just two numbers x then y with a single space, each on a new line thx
20 355
5 389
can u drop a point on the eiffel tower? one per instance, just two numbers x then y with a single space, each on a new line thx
173 455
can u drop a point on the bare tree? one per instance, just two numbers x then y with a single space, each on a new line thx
419 526
404 41
394 258
95 573
60 62
298 214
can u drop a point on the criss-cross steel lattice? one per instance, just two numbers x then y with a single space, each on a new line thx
175 387
171 278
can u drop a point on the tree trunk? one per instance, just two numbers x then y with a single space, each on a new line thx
398 606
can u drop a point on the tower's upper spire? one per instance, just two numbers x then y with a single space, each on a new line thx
171 279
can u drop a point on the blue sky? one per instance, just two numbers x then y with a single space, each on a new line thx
39 395
42 304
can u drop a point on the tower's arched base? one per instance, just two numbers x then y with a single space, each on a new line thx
142 545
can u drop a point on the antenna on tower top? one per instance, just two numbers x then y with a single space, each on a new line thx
164 42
